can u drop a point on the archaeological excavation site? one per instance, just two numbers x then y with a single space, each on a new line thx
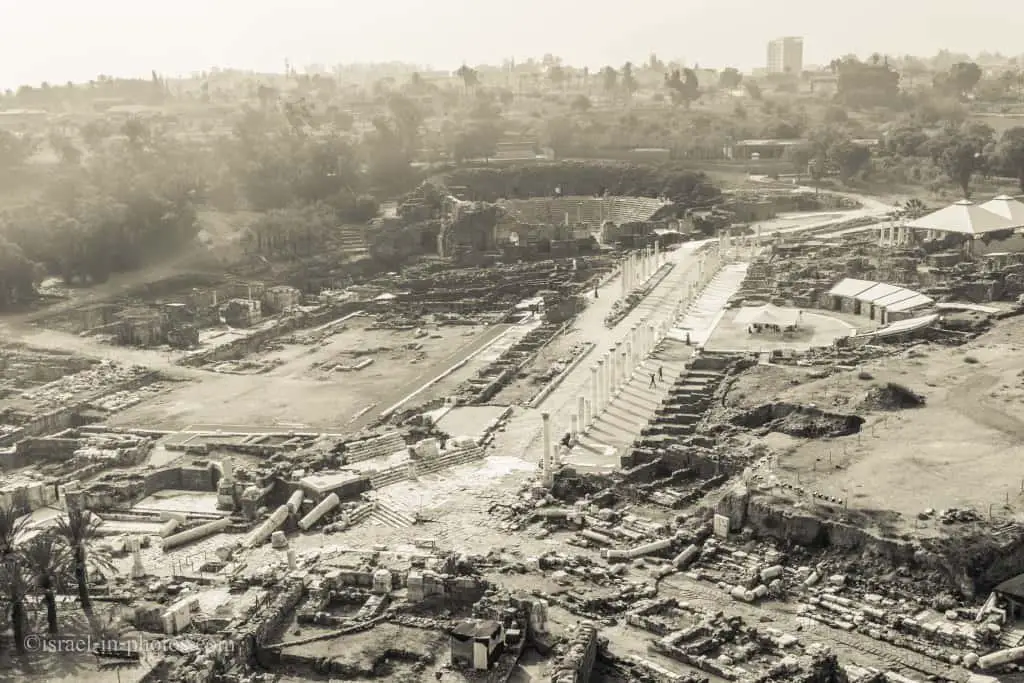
537 425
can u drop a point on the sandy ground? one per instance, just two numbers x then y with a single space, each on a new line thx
962 449
815 330
302 392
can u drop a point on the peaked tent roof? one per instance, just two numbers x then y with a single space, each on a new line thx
1007 207
768 314
964 217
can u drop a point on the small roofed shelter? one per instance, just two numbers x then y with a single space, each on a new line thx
879 301
1009 208
477 643
843 296
965 218
1011 592
769 316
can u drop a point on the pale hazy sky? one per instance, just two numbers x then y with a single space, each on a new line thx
61 40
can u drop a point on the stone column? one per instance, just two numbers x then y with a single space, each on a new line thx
600 403
581 412
608 389
574 429
630 360
594 403
547 475
588 409
657 255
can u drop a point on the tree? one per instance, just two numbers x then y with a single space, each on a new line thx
609 79
629 84
850 158
470 78
13 522
1010 153
683 86
556 75
753 90
959 158
960 80
16 585
18 275
906 141
559 135
580 104
870 84
729 78
79 528
15 150
45 557
477 141
64 148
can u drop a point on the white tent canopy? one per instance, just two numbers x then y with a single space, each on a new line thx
1009 208
768 315
964 217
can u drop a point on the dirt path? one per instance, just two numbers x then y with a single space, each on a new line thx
969 400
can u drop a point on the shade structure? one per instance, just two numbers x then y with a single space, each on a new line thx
965 218
1006 206
768 314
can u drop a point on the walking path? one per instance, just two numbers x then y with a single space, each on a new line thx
522 434
648 385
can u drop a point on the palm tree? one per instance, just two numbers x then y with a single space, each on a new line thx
79 528
45 558
470 78
16 585
13 521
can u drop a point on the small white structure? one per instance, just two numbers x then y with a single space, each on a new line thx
721 526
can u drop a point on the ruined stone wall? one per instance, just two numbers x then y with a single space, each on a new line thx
788 524
577 663
243 346
261 628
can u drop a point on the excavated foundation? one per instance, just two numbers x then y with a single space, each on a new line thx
800 421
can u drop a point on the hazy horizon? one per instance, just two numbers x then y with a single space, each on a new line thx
119 38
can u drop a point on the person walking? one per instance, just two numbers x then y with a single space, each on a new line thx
661 373
654 381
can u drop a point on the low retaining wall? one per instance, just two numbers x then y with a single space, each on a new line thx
554 384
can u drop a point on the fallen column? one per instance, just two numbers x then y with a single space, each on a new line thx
168 527
295 501
322 508
1001 657
263 531
648 548
596 537
196 533
686 557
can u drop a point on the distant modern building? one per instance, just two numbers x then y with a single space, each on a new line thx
786 56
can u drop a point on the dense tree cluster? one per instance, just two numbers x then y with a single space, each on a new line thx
46 564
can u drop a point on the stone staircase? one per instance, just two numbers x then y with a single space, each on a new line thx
1012 636
374 447
353 240
632 408
391 514
631 411
414 468
681 412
